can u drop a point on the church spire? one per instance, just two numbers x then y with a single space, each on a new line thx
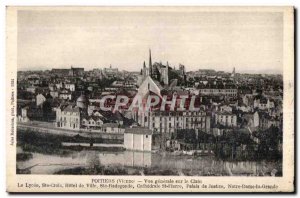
233 73
150 63
144 73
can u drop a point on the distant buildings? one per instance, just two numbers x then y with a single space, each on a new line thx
252 119
226 119
263 103
113 128
227 101
110 72
33 80
40 99
70 86
218 91
64 94
92 122
23 117
68 72
31 89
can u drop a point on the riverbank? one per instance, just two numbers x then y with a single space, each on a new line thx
48 143
49 128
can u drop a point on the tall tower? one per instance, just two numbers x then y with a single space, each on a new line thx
167 74
233 73
144 70
150 63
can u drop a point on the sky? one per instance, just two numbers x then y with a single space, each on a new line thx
251 42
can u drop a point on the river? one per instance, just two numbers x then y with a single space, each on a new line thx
139 161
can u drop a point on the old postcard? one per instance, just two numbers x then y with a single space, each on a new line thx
150 99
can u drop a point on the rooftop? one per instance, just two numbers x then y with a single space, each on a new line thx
138 130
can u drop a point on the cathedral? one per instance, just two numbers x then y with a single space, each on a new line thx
156 71
164 74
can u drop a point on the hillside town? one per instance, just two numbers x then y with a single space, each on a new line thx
161 107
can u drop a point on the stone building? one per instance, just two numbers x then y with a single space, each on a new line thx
226 119
168 122
138 139
68 117
40 99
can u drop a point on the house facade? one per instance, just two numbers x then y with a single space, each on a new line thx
168 122
68 117
226 119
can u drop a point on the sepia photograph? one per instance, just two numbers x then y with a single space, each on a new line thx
183 92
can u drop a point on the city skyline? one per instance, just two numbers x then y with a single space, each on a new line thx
139 70
198 40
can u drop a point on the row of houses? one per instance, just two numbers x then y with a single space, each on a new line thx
168 122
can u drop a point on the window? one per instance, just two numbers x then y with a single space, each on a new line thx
146 136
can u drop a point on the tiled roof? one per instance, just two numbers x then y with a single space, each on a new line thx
72 108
